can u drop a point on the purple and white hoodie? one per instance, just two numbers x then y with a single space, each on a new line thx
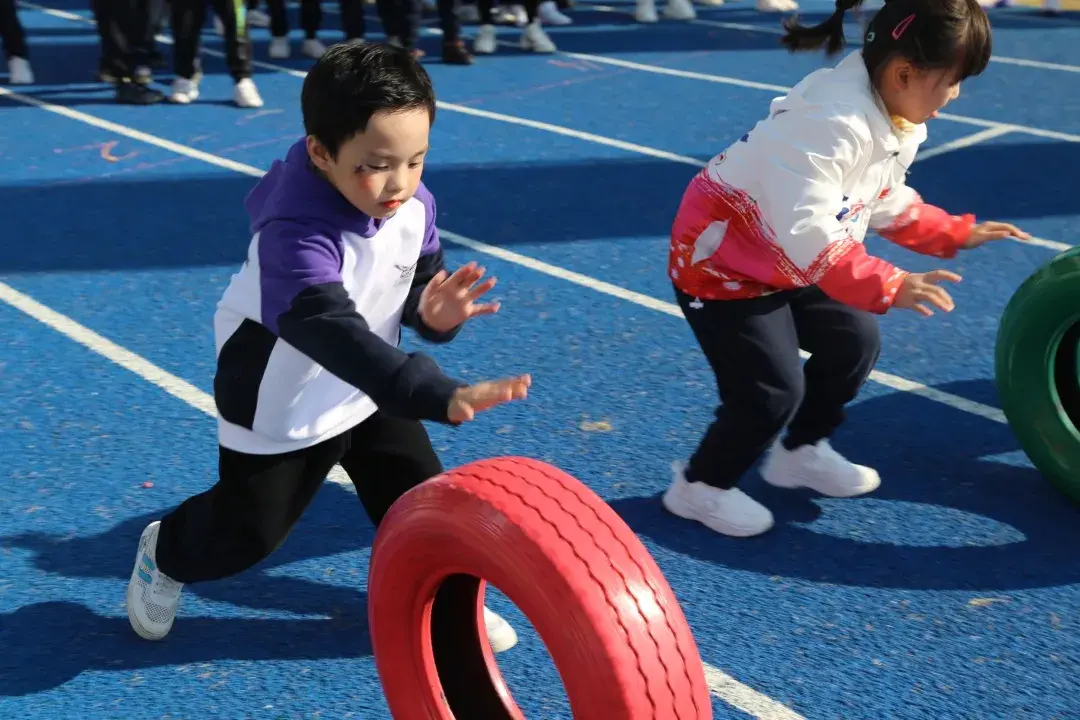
307 332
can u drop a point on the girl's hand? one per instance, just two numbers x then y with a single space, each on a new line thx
448 301
920 288
987 231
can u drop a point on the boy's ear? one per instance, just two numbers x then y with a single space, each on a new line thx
320 156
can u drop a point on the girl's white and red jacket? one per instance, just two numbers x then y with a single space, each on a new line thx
788 205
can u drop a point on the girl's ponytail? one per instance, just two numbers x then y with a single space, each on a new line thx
829 33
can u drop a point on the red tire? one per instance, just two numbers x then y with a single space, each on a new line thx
590 588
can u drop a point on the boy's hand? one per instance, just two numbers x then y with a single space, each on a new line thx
919 288
987 231
448 301
468 401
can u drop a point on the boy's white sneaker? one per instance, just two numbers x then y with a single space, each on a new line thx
728 512
819 468
152 596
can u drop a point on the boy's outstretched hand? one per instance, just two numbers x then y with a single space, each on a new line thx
987 231
449 300
469 400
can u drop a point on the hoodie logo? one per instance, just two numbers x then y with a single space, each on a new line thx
406 271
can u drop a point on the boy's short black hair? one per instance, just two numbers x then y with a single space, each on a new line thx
350 83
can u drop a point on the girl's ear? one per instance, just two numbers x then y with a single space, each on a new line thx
898 74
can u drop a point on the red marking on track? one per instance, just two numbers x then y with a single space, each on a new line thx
106 152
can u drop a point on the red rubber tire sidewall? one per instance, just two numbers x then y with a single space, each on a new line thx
596 597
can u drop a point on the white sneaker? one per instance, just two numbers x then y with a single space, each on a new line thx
728 512
184 91
279 48
501 636
645 11
517 15
257 18
152 596
549 14
246 95
819 468
777 5
313 48
484 43
19 72
680 10
535 39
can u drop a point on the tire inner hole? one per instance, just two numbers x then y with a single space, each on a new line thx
1066 374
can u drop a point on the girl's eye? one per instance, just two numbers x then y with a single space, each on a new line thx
416 164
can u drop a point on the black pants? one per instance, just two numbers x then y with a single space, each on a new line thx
188 17
12 34
259 498
753 348
401 19
311 16
126 32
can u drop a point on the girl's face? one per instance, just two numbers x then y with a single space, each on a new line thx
917 95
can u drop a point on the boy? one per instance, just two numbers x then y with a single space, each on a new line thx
309 375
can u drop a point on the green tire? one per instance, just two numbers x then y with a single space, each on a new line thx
1037 370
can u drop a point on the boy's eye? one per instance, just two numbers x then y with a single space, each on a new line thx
377 168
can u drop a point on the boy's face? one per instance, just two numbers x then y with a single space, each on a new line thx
379 169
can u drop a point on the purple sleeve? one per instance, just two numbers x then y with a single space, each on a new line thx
431 233
291 260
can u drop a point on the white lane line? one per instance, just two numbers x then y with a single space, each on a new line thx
961 143
132 362
720 683
892 381
999 128
753 85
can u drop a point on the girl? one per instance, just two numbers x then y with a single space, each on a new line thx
767 253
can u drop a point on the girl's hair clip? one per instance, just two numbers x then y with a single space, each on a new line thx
902 26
